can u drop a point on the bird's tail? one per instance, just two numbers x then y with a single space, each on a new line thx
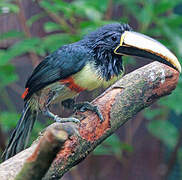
20 136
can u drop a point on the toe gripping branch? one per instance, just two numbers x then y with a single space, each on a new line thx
59 119
70 104
82 107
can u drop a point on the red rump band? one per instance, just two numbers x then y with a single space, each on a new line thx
24 94
69 82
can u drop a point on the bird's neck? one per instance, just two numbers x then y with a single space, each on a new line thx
106 62
109 64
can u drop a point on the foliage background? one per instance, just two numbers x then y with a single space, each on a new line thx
149 146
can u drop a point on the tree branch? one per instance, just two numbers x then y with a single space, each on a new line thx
109 11
49 145
119 103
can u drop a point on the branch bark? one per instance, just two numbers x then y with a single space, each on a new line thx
49 145
119 103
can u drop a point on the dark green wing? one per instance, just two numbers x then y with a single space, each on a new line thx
61 64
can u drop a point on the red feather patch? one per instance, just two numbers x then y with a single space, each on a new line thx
24 94
69 82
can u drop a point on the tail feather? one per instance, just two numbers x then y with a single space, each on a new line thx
20 136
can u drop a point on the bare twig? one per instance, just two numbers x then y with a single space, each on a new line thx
108 14
21 16
118 104
60 20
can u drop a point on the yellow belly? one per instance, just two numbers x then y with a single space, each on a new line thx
90 79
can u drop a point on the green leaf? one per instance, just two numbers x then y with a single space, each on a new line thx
100 5
165 131
145 16
112 146
174 21
179 156
55 41
51 26
7 75
150 114
4 56
21 47
11 34
93 14
84 9
50 6
101 150
66 7
89 26
162 7
10 7
35 18
130 60
113 141
9 119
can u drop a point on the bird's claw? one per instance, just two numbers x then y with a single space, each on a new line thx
82 107
63 120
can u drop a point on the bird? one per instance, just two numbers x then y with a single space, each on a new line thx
93 62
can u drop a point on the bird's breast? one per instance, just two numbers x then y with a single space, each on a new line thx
88 78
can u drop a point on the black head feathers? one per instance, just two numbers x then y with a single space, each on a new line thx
102 43
108 29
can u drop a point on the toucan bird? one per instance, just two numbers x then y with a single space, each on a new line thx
90 63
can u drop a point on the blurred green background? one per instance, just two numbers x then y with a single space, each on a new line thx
147 147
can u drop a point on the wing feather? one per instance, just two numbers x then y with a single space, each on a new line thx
61 64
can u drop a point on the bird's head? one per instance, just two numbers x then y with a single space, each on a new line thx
109 43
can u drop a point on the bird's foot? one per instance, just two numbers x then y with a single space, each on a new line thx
59 119
82 107
63 120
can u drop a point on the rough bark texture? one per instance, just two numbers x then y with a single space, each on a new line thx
49 145
118 104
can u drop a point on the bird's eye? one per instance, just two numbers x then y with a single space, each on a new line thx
114 38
